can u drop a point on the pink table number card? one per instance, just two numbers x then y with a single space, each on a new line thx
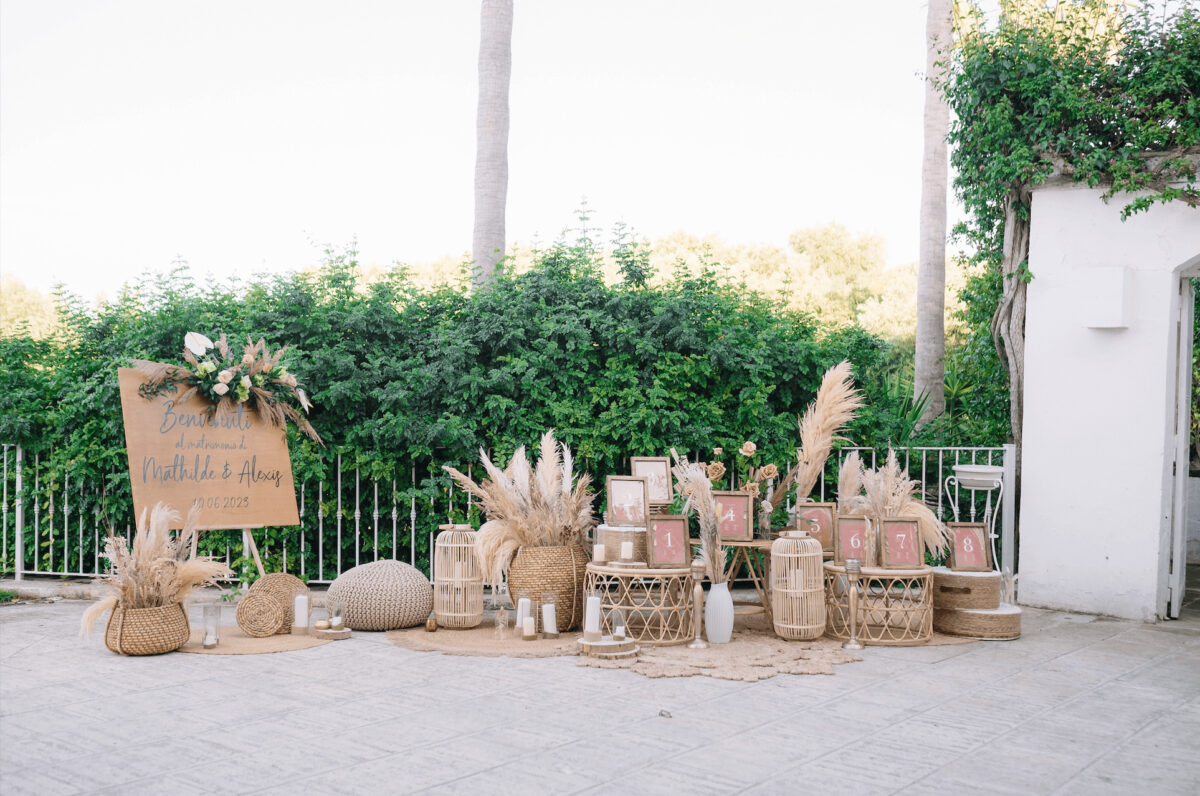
900 544
819 519
851 540
668 543
735 514
969 549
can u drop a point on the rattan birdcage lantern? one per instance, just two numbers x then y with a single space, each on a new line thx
797 586
458 580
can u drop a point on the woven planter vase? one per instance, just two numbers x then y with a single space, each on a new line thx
559 570
147 631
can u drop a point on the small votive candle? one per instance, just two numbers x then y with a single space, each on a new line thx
321 624
626 551
529 628
599 553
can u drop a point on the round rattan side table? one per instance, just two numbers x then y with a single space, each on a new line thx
895 606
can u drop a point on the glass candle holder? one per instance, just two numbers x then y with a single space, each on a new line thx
212 625
336 609
501 621
549 614
591 617
616 620
528 625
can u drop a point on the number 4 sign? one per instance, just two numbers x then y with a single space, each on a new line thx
900 544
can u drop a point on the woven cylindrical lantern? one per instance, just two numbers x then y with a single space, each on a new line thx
458 580
797 586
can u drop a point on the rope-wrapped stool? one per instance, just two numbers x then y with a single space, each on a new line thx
259 615
383 595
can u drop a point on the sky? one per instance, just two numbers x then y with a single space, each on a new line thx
246 137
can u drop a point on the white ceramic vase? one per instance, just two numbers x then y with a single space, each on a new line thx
718 614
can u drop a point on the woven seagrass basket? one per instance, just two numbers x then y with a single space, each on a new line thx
559 570
147 631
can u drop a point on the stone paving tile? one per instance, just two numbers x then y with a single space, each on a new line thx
1078 705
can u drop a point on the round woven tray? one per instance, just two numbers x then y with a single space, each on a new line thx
283 588
259 614
147 631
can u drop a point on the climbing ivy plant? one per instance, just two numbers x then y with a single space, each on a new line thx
1094 91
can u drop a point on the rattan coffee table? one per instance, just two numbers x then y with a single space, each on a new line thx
895 606
657 603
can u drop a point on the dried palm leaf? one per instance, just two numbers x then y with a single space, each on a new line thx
693 482
836 404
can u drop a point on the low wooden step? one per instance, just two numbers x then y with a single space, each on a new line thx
958 590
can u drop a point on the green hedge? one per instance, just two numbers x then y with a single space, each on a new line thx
404 378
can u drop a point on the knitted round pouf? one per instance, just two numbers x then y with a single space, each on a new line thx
383 595
259 614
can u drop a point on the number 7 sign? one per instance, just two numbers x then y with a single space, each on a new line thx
900 545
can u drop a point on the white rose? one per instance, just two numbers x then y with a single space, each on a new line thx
225 376
220 388
197 343
246 382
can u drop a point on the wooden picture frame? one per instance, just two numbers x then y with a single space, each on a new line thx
820 520
660 487
628 502
849 528
969 548
667 542
900 544
735 516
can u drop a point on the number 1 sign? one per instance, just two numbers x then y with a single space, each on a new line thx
899 544
668 544
968 547
852 541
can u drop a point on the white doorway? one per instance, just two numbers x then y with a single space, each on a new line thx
1183 504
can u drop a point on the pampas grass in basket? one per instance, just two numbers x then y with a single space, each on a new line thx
158 570
545 505
888 492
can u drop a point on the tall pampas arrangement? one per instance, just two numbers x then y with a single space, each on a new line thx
528 506
692 478
157 570
836 404
889 492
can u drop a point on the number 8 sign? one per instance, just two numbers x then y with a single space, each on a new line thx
969 547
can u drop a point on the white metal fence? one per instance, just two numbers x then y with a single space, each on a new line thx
54 523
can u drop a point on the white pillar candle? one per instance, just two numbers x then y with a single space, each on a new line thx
522 611
626 551
598 553
300 614
591 618
528 628
549 620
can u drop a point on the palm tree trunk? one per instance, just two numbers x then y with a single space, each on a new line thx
929 367
491 137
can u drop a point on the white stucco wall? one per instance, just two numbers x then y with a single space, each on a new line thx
1096 482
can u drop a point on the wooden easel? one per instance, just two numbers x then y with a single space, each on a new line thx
248 545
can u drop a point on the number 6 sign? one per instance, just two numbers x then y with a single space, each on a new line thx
900 544
852 540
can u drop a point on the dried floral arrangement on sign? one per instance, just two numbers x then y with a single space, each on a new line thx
158 570
888 492
529 506
256 379
836 404
695 486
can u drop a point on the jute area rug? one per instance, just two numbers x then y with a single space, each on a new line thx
235 642
754 653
